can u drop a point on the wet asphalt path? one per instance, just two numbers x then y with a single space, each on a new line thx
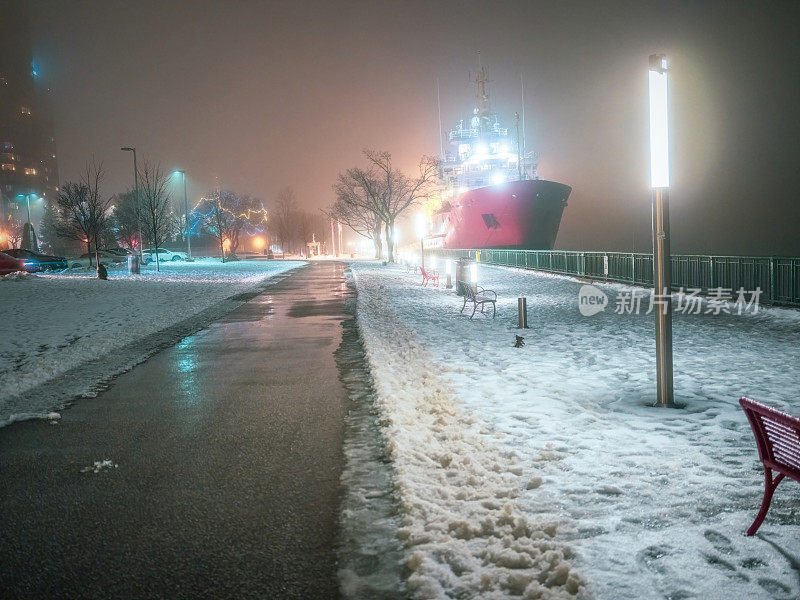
228 448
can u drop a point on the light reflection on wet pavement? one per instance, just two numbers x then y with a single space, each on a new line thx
229 448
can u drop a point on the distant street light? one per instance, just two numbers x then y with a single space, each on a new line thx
186 211
136 188
659 182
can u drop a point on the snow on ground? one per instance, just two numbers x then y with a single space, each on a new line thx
654 502
59 323
462 523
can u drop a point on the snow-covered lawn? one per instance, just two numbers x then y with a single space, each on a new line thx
493 445
56 323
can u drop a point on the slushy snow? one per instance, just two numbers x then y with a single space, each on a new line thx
546 471
465 532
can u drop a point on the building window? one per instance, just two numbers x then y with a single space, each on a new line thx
25 110
3 81
8 167
29 171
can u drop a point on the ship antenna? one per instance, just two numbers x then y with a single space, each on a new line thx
522 90
519 153
439 108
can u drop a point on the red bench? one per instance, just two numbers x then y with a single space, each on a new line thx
778 440
429 276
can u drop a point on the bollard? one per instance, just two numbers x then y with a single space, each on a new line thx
133 264
522 312
449 283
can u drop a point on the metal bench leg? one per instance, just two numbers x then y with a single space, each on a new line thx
464 305
769 489
473 311
494 309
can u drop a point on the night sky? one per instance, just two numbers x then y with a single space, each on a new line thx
264 95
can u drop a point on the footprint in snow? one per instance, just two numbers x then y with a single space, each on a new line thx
721 543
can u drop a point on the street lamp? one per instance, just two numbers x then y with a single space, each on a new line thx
186 211
30 235
136 187
27 202
420 227
659 182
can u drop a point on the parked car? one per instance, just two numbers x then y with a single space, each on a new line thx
119 250
38 262
88 260
163 254
126 252
9 264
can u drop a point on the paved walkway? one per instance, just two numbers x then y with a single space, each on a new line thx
228 448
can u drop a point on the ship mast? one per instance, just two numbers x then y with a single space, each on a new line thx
439 108
483 96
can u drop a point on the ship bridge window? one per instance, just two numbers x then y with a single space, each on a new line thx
491 221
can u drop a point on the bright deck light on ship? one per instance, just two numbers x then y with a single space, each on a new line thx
498 178
659 128
433 262
473 273
481 149
448 267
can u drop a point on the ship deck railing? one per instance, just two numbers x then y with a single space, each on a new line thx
777 277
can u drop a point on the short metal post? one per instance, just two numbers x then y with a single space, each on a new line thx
522 313
449 283
662 284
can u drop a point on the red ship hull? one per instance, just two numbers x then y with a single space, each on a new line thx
522 214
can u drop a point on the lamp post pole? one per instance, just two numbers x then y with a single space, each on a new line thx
29 234
659 182
136 188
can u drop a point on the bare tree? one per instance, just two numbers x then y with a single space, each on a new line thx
376 196
356 211
155 204
284 218
228 215
126 221
216 219
13 228
400 191
83 212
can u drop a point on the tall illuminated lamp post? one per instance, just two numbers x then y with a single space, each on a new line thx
136 188
659 182
186 213
30 236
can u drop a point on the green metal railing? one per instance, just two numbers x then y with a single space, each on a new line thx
777 277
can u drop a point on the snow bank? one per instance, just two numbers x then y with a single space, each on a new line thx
75 326
464 532
653 502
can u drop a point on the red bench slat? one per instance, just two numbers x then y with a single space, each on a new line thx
778 440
